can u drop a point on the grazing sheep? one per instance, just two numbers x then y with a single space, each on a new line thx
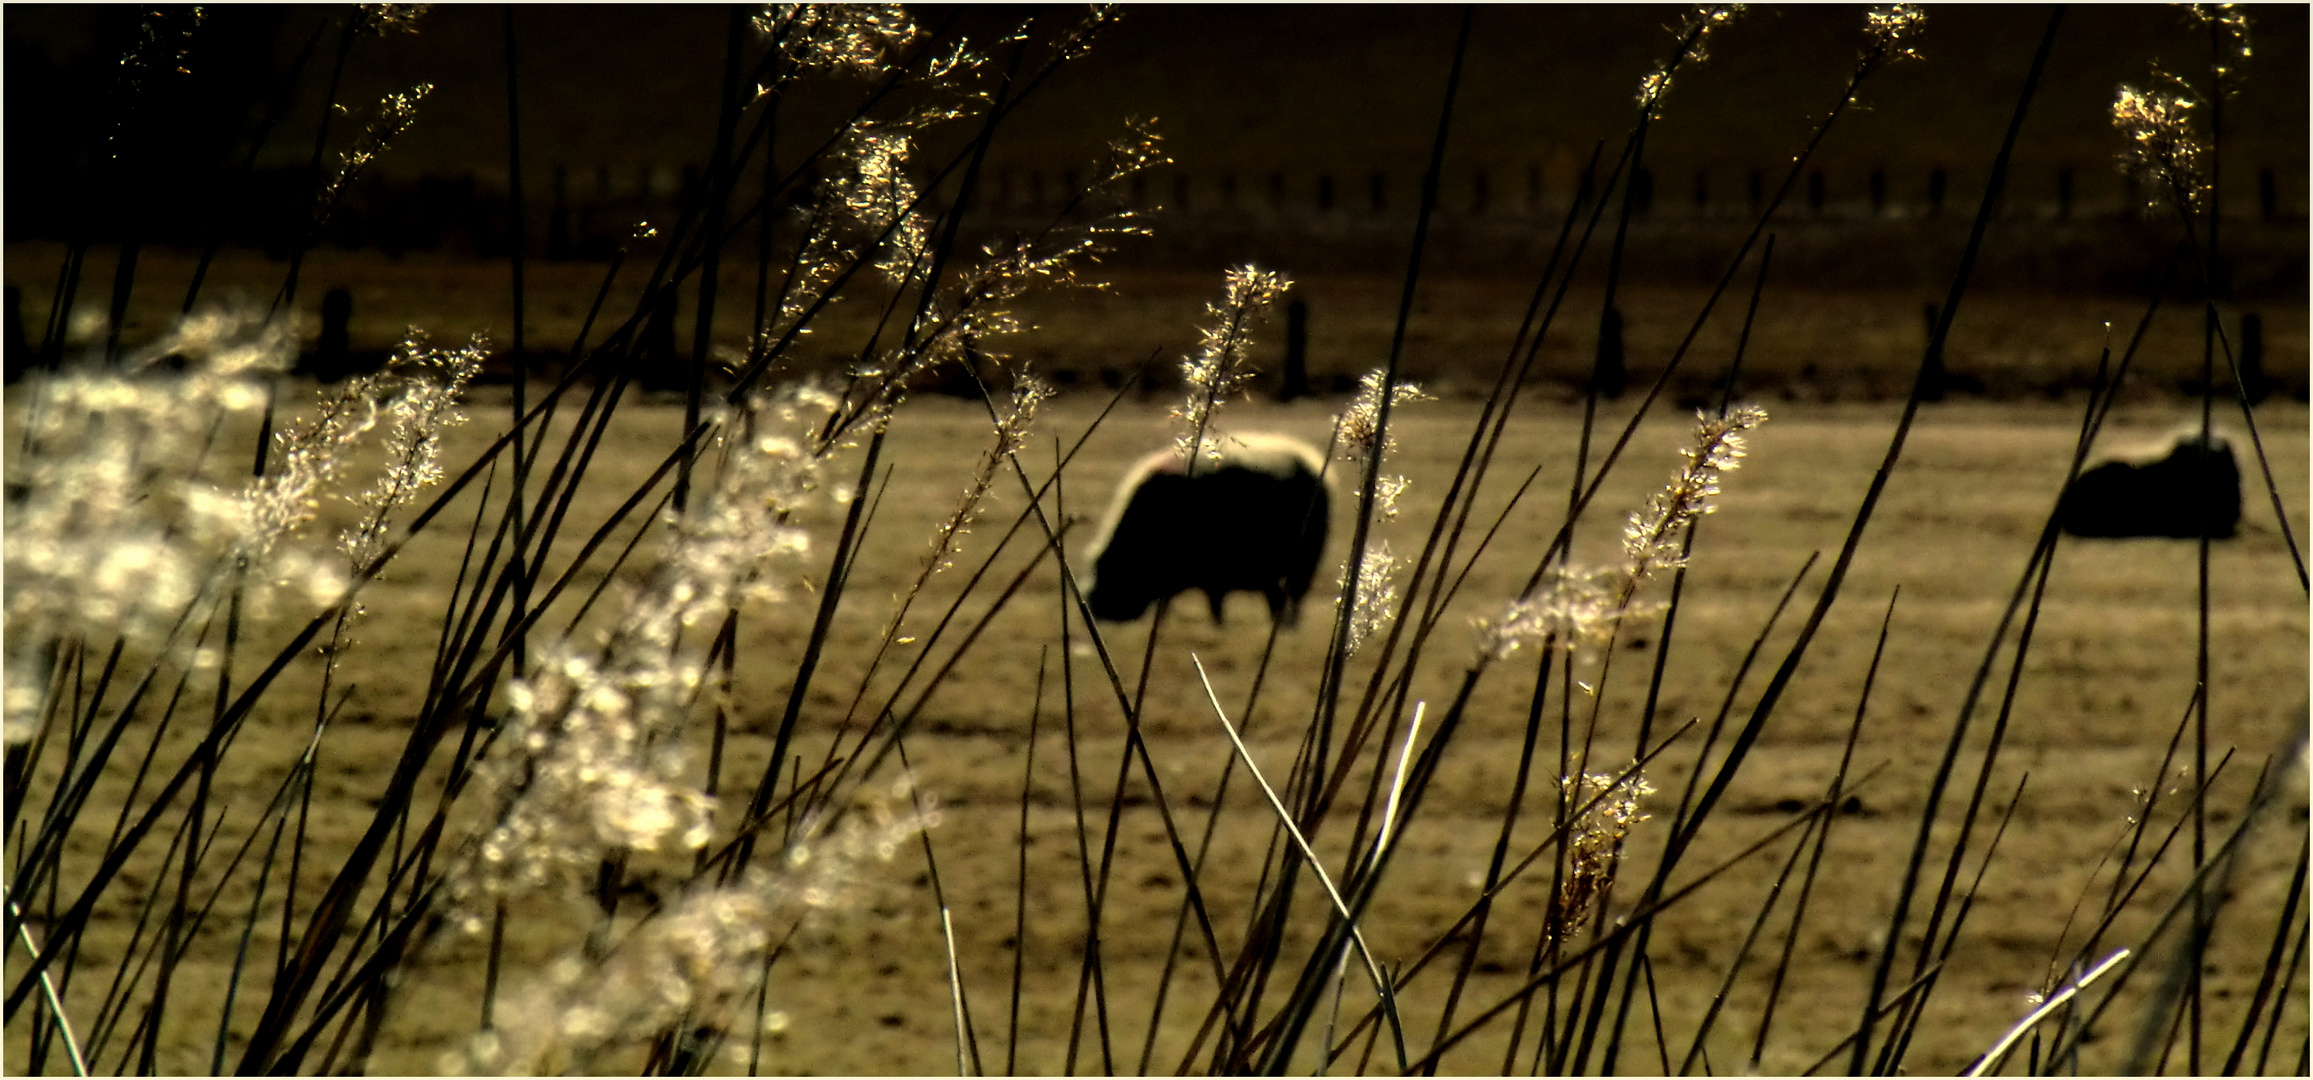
1255 521
2193 490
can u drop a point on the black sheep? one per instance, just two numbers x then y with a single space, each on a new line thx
2192 491
1255 521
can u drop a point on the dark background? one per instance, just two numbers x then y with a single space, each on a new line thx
1284 121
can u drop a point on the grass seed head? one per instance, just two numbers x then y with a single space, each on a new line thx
697 963
394 114
122 533
881 197
1602 813
1221 368
1692 34
1889 32
2161 147
1573 608
1651 539
1360 423
837 39
384 19
430 383
2230 22
597 757
1376 600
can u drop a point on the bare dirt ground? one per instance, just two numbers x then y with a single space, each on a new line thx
865 989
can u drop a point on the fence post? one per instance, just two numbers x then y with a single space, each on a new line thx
1296 381
331 354
656 356
2252 358
558 216
1610 375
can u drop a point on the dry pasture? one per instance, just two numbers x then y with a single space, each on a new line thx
864 988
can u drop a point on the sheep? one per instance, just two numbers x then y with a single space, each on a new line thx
2193 490
1254 521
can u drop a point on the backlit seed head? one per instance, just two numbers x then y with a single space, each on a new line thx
2231 23
1651 539
1376 600
600 757
1888 31
1601 812
1221 367
1692 35
698 961
1360 424
2160 146
126 531
1572 608
837 38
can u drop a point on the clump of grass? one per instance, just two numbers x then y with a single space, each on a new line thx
574 743
692 966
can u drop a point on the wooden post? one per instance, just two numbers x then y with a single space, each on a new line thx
657 363
1610 373
1296 381
558 216
2251 358
331 360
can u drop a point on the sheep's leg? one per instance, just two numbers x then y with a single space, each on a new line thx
1282 609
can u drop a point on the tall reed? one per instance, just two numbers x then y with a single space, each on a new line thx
590 844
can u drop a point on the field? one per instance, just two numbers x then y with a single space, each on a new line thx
2110 675
452 627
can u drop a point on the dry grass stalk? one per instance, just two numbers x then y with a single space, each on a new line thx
693 965
596 760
